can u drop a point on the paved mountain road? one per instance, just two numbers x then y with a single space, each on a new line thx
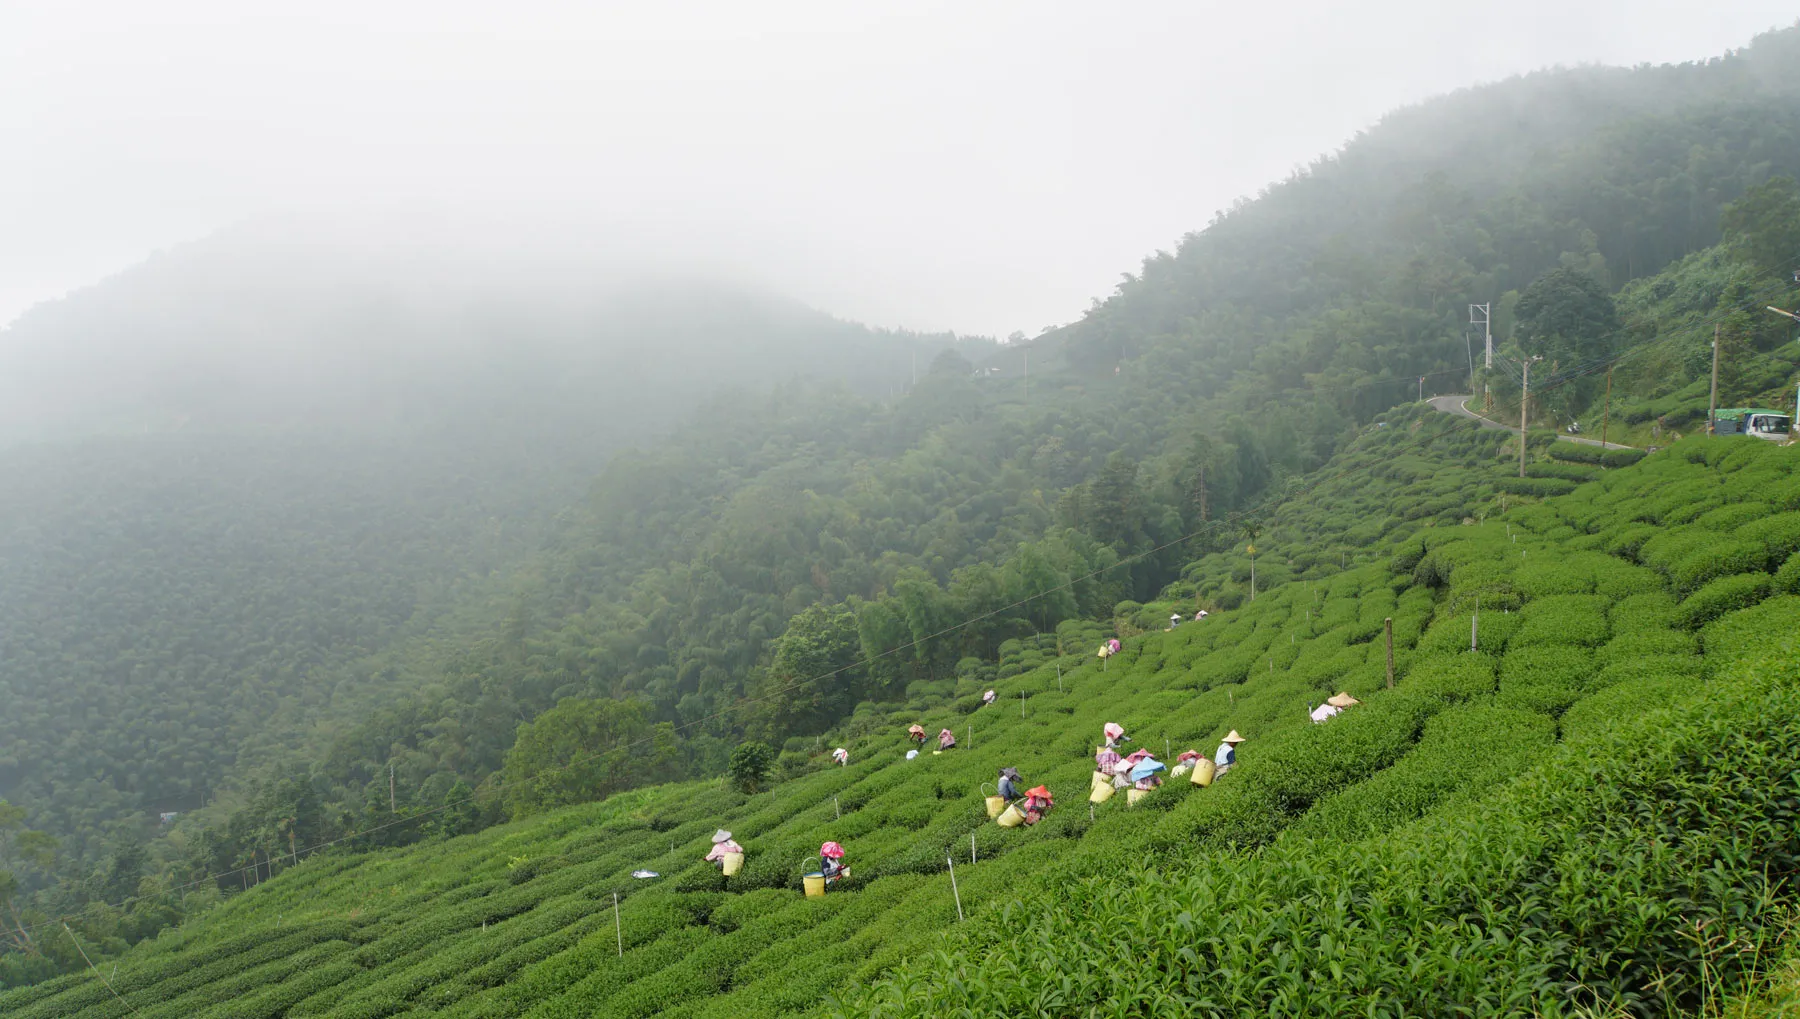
1455 405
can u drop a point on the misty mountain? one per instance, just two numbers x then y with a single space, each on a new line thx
244 464
329 329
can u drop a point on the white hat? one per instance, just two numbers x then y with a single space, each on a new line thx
1233 737
721 836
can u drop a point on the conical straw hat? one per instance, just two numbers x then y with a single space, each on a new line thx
1233 737
721 836
1341 700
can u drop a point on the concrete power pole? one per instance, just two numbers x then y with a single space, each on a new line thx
1480 315
1712 401
1524 402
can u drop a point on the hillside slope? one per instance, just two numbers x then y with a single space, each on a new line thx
1634 597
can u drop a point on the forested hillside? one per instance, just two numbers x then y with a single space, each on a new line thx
1535 825
234 478
801 563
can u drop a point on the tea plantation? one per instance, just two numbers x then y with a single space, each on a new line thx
1592 812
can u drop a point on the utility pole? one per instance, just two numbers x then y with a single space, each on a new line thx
1482 315
1524 402
1606 408
1712 401
1479 315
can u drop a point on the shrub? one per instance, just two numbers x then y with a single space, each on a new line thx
1544 679
1579 881
1452 678
1721 558
1643 613
1540 487
1787 579
1778 536
1563 471
1726 594
1462 748
1623 701
1563 619
750 764
1574 452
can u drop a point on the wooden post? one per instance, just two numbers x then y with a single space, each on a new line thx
1059 688
1606 408
953 890
971 735
835 807
971 847
1712 402
618 928
1021 704
1474 621
1387 625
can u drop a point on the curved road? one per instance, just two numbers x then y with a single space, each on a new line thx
1456 404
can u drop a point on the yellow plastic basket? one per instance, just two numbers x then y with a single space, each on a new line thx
1202 774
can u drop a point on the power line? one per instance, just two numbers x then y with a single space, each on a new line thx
90 964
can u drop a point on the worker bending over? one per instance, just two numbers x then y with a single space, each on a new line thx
1227 754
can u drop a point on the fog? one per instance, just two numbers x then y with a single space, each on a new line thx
978 167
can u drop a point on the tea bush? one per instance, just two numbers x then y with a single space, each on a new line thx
1431 851
1721 596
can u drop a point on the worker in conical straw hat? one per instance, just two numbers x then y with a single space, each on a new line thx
831 862
988 698
1114 733
1227 755
841 756
1184 763
1037 803
1342 700
946 739
916 733
722 844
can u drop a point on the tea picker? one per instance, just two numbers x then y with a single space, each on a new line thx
916 733
726 854
831 862
946 740
1008 788
1144 778
1333 706
1227 753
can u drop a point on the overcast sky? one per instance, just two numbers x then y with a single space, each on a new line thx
979 166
